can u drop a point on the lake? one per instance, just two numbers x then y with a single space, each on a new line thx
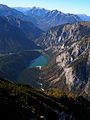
42 60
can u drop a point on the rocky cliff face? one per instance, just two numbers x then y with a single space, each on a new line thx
70 44
75 64
63 36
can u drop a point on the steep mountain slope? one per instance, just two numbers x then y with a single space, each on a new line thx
69 69
7 11
45 19
31 31
24 103
20 20
12 38
63 36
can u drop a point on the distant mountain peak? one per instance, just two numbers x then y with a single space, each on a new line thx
84 17
40 17
2 6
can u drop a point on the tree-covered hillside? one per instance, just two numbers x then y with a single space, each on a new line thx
21 102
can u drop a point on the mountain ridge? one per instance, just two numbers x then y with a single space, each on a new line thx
39 20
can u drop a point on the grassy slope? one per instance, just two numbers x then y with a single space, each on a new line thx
22 102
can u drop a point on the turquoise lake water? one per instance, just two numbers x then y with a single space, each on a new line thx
42 60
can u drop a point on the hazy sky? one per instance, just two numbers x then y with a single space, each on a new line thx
67 6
